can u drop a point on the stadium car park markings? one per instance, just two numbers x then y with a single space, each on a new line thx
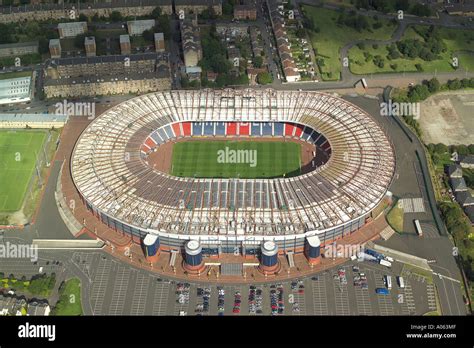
300 300
99 286
408 305
160 299
319 296
140 294
342 298
364 306
185 307
431 297
120 290
385 301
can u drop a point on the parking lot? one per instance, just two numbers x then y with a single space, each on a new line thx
119 289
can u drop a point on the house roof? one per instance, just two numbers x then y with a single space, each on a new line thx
467 159
458 184
469 210
464 198
454 170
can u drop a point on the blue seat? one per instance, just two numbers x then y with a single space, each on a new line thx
278 128
197 128
256 129
169 131
266 129
156 137
163 134
220 128
208 128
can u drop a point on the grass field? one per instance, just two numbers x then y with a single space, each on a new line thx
458 43
17 164
69 298
332 37
215 159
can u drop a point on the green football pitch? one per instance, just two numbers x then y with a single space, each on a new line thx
236 159
18 151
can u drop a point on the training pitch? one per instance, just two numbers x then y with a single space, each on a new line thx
18 151
236 159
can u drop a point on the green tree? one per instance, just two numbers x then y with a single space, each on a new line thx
433 85
264 78
115 16
301 33
156 13
258 61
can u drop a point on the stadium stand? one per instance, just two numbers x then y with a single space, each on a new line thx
330 201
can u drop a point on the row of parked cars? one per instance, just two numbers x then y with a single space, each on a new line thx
182 293
205 295
360 278
220 300
237 302
341 276
255 300
277 302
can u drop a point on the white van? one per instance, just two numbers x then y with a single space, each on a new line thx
388 282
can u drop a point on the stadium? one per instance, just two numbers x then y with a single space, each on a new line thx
323 166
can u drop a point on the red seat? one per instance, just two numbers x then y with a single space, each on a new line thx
244 128
231 128
299 130
150 142
186 128
289 128
176 129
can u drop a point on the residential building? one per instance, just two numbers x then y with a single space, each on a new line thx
460 9
458 184
464 198
139 26
247 11
62 10
467 161
469 210
197 6
18 49
278 25
103 75
71 29
55 48
255 41
36 308
89 44
454 171
159 42
230 31
125 46
191 41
